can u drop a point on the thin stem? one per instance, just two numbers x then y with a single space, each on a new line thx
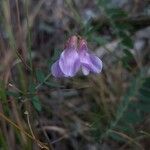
26 133
29 36
28 120
46 78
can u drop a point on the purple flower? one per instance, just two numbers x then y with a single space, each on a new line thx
73 58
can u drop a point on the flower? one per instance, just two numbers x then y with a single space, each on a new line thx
75 57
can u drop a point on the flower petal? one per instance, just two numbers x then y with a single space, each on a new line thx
92 63
89 61
85 71
96 64
56 71
69 62
72 42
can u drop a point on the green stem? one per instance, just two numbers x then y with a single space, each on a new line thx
46 78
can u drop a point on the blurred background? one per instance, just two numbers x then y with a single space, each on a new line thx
106 111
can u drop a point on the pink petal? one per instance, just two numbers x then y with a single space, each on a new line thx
56 71
96 64
69 62
89 61
72 42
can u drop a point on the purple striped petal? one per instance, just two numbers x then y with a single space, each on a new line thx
69 62
96 64
56 71
89 61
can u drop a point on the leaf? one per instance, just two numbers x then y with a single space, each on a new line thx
144 107
126 39
128 54
36 103
144 99
32 87
34 99
40 75
14 94
116 13
126 60
125 63
99 40
104 3
144 92
123 26
146 82
132 117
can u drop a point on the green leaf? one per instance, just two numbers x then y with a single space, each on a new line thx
144 107
144 99
125 63
40 75
14 94
128 54
32 87
36 103
123 26
99 40
104 3
132 117
146 82
127 58
126 39
127 42
144 92
116 13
